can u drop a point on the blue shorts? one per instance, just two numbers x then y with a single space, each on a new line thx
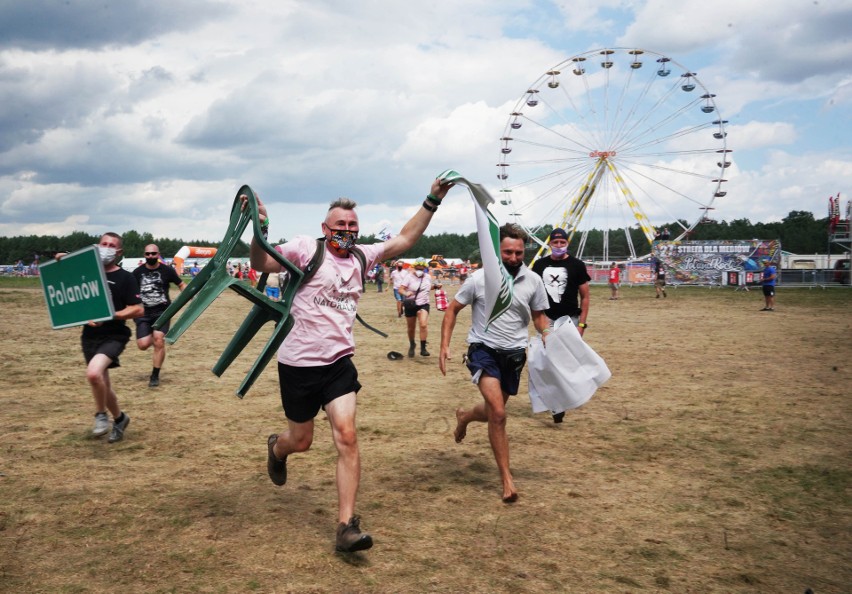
273 292
396 294
504 365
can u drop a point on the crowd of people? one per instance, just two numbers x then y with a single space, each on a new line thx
314 364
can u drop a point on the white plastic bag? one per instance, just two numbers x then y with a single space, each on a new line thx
564 374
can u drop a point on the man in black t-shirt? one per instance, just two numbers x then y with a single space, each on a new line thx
566 280
154 278
567 283
103 342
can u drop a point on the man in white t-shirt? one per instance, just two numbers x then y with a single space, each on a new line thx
315 369
496 356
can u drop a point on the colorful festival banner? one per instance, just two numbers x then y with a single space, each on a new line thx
498 282
705 262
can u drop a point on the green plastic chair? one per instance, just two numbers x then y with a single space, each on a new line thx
213 279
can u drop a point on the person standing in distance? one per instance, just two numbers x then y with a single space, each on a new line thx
397 277
497 356
567 283
103 342
315 366
416 290
660 278
768 278
614 281
154 278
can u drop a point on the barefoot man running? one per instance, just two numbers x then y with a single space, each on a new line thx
496 357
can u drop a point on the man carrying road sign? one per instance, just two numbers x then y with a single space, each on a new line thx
104 336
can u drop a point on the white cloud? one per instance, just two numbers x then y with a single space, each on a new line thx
755 135
154 127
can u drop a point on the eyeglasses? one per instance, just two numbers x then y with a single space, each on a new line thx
151 253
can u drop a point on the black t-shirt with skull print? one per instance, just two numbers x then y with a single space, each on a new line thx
562 280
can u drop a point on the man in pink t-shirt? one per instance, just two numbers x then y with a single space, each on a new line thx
315 368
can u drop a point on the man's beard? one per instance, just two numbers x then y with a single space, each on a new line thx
513 270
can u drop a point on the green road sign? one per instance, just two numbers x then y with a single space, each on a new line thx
76 289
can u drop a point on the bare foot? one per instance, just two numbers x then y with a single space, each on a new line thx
511 497
461 426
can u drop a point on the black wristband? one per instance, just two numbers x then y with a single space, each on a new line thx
433 199
429 207
265 232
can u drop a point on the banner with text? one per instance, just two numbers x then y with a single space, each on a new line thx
499 284
705 262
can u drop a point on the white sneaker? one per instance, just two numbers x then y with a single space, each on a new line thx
101 424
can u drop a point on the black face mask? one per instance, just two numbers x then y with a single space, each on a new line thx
151 261
513 270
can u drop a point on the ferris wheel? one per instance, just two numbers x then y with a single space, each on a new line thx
612 140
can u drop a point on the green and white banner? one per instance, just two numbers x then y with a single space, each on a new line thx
499 284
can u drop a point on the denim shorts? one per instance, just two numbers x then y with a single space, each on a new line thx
504 365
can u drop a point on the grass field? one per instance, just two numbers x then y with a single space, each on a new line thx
716 459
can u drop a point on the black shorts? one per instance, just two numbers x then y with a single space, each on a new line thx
111 345
411 311
304 390
769 290
505 365
144 323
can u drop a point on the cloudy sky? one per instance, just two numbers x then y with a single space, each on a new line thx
150 114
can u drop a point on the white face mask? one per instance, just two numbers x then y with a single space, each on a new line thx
418 273
107 254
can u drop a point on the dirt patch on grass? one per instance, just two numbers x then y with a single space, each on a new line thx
716 459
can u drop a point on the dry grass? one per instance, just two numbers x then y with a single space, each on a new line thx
716 459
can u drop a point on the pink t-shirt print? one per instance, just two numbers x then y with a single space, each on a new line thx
324 308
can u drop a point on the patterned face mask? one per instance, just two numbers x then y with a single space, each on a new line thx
342 239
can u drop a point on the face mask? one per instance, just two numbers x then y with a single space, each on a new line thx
107 254
399 267
342 239
151 261
559 251
513 270
418 273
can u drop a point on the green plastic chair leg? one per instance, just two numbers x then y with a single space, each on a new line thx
256 319
282 329
215 285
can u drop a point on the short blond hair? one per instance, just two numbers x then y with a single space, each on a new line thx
344 203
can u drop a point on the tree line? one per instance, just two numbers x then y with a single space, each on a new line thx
799 233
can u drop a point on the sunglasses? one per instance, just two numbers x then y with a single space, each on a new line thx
151 253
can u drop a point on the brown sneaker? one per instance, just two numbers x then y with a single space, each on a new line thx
350 538
276 468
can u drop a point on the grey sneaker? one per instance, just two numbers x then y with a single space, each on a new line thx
117 433
276 468
153 382
350 538
101 424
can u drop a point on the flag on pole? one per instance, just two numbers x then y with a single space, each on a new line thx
499 284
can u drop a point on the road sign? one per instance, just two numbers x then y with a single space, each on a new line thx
76 289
